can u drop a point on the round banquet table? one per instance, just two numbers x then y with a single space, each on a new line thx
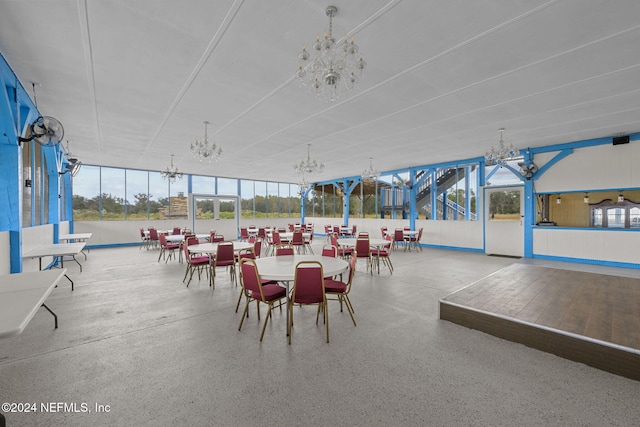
375 243
283 269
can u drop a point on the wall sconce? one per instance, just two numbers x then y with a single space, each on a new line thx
558 200
586 197
620 198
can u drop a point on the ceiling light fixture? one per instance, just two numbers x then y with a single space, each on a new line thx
586 198
499 156
171 173
206 150
370 174
308 166
303 186
331 69
620 198
73 165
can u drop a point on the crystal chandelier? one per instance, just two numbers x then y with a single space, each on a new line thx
206 150
499 156
171 173
308 166
332 69
370 174
303 186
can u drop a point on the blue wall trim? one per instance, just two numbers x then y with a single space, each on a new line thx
452 248
588 261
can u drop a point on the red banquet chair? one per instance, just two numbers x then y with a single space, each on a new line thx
195 262
308 289
255 289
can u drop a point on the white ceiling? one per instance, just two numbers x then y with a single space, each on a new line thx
132 81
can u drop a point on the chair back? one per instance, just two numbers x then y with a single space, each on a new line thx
330 251
308 284
398 235
336 229
284 249
244 233
297 238
217 238
224 252
257 248
363 234
353 230
362 247
420 234
142 233
249 277
189 241
407 228
163 240
327 229
246 254
153 234
262 234
383 231
176 231
275 237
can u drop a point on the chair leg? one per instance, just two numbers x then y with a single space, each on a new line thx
349 308
239 299
326 317
266 320
244 313
186 272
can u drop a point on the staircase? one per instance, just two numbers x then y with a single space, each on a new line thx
444 179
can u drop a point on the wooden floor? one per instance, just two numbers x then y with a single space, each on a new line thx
587 317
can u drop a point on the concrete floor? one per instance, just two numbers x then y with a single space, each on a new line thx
133 337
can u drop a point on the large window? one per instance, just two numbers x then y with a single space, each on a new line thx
103 193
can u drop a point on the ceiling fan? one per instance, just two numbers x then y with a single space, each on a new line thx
46 131
528 171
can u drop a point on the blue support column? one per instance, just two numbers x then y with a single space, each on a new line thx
434 195
68 191
16 112
445 212
52 163
413 210
529 209
467 193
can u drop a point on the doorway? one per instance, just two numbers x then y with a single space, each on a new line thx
504 221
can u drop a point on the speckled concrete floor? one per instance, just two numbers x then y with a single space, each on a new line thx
135 340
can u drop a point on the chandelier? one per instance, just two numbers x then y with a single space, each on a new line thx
303 186
499 156
370 174
171 173
206 150
308 166
332 69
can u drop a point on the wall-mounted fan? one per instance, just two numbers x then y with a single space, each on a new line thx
46 131
528 171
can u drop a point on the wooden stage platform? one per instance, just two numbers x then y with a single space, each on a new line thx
586 317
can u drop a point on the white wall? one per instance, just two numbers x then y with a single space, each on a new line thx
592 168
127 232
600 245
5 253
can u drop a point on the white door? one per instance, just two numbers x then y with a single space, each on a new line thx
504 219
